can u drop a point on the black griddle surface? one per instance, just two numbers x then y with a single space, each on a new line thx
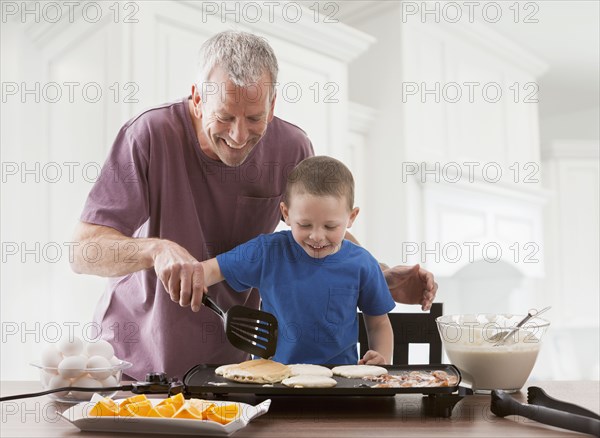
202 378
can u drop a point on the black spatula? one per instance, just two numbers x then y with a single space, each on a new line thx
250 330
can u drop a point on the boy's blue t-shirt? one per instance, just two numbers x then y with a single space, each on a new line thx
314 300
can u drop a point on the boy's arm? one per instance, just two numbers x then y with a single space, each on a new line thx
381 340
211 274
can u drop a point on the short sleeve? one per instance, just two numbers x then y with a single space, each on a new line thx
119 198
375 298
242 266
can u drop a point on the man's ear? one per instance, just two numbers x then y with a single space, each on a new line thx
196 101
353 215
284 213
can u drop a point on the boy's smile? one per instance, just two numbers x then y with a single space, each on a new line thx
318 223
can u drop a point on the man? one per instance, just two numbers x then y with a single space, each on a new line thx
187 181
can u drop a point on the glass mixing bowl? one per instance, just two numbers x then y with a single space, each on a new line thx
469 340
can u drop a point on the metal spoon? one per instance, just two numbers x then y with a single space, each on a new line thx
501 337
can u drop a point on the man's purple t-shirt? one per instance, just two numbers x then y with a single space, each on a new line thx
157 182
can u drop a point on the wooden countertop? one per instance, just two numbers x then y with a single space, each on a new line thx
327 416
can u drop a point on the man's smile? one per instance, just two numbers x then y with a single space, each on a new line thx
233 146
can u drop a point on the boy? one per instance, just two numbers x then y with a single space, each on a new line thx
312 279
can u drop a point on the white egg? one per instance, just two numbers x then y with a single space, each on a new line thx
72 366
70 346
110 381
100 348
99 362
115 361
84 347
59 382
51 357
45 377
85 382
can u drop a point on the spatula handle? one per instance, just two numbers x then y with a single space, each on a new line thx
537 396
503 405
208 302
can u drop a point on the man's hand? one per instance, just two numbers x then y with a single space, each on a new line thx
181 274
411 285
372 357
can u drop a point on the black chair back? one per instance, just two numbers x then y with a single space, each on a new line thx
409 328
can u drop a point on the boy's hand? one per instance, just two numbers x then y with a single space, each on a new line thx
371 357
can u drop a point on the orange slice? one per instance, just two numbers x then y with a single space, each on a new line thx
202 405
194 409
165 411
105 407
138 409
223 414
172 407
123 412
133 399
177 400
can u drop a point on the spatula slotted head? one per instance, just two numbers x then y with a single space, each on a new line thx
253 331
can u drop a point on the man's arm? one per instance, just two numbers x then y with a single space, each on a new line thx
106 252
407 284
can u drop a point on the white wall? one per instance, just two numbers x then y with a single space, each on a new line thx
579 125
373 82
572 174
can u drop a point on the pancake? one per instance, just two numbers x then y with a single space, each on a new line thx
256 371
304 369
220 370
358 371
309 381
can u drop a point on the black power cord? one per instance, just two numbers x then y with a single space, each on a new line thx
68 388
155 383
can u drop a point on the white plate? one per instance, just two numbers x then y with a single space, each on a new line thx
78 415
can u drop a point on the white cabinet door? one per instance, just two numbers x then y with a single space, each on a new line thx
464 102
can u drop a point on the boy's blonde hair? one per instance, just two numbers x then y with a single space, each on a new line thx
321 176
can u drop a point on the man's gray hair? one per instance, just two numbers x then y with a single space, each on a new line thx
244 56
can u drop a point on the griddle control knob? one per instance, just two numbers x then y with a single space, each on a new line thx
157 378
